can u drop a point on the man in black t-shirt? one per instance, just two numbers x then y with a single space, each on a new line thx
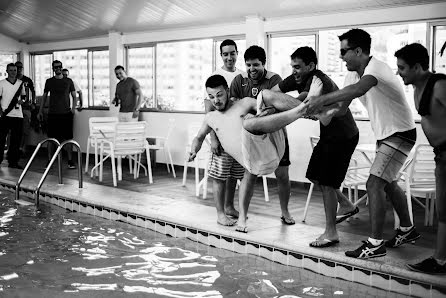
338 139
60 111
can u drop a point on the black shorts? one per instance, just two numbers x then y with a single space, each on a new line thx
60 126
285 161
330 160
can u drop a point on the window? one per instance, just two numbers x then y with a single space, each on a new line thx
241 48
175 75
99 80
5 59
140 66
439 52
386 40
41 70
281 48
76 61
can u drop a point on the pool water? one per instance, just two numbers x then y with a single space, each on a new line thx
52 252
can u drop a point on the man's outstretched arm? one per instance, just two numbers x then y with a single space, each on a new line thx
198 140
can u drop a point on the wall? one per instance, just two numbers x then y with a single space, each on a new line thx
9 45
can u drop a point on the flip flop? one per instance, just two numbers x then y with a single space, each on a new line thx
287 220
341 218
241 229
320 243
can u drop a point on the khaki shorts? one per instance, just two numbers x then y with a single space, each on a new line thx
391 154
224 166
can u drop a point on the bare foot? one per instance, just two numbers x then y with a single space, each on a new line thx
242 229
231 212
226 221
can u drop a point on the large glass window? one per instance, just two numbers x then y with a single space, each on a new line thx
281 48
241 48
181 69
386 40
100 82
140 66
5 59
42 71
76 61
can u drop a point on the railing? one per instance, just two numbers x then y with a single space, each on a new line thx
22 176
48 167
57 154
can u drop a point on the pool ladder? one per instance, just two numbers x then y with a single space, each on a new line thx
47 169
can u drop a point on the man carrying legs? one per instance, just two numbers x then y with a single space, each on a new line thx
430 101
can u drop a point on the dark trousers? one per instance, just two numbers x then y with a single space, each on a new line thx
13 125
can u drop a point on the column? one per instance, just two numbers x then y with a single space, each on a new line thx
255 31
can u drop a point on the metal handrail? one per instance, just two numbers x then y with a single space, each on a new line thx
22 176
57 154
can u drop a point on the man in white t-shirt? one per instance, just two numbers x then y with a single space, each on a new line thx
394 128
11 116
77 89
224 185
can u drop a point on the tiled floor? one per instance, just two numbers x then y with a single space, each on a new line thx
166 186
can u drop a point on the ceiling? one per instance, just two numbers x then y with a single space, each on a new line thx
35 21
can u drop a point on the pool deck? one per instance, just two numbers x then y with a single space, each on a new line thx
267 237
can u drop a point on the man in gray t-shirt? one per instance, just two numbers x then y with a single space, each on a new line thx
128 94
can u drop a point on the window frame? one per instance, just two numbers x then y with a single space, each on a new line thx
89 71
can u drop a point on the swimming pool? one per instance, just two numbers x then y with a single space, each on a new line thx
52 252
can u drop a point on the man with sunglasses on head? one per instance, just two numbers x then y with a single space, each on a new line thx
27 106
391 119
60 110
251 84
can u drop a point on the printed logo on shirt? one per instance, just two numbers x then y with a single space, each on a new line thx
254 91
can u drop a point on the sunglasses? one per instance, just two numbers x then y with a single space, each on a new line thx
57 67
344 51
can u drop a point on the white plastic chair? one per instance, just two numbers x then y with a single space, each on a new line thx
418 180
354 178
162 143
100 128
129 140
202 155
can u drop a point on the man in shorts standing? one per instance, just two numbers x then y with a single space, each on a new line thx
60 110
394 128
430 101
338 139
220 161
250 85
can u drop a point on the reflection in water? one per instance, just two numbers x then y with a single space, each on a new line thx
52 251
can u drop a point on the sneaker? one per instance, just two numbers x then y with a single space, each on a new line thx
367 250
403 237
71 165
429 266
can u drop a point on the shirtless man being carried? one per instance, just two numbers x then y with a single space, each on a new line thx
239 137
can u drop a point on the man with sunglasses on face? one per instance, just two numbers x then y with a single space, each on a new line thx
392 123
250 85
60 110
